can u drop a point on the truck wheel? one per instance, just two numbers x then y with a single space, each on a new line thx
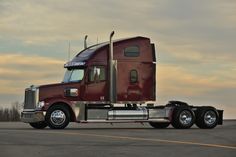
57 117
159 125
182 118
39 125
207 118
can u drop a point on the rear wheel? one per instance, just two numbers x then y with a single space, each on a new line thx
182 118
39 125
159 125
207 118
58 117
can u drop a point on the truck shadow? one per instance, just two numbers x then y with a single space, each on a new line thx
124 128
94 128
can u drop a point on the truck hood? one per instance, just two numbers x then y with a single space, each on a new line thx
55 91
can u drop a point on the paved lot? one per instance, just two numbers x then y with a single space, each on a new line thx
132 140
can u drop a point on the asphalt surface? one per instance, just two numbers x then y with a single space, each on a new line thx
117 140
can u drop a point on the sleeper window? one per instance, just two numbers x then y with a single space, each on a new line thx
132 51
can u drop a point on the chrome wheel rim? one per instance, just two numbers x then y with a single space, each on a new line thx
185 117
58 117
210 117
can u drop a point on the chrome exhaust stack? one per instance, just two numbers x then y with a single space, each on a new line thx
85 41
111 67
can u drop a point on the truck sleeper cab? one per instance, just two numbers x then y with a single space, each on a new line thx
111 82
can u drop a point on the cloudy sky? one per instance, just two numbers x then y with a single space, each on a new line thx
195 41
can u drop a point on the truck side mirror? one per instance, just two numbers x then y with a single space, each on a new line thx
71 92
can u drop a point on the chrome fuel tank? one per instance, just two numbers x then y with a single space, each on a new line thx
141 114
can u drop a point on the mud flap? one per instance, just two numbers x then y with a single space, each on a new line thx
220 121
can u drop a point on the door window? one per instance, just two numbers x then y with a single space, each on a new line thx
96 74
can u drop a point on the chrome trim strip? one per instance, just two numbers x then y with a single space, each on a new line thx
29 110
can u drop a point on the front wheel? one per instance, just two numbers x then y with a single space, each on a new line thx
39 125
159 125
58 117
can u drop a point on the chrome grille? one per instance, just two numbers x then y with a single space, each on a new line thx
30 98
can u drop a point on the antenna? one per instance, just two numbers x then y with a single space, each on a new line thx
97 39
69 51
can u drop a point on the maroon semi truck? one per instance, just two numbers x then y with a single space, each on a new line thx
111 82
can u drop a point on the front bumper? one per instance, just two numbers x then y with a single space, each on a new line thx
32 116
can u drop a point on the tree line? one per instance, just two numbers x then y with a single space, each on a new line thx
10 114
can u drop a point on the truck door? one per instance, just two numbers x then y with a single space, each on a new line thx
95 87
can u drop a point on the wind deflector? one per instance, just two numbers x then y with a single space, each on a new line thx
83 56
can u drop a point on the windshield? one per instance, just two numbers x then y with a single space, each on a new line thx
73 75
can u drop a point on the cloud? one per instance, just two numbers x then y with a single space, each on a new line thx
19 71
205 27
171 80
27 60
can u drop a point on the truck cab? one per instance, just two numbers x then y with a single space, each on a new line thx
111 82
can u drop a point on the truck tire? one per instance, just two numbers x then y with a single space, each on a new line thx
207 118
182 118
39 125
58 117
159 125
